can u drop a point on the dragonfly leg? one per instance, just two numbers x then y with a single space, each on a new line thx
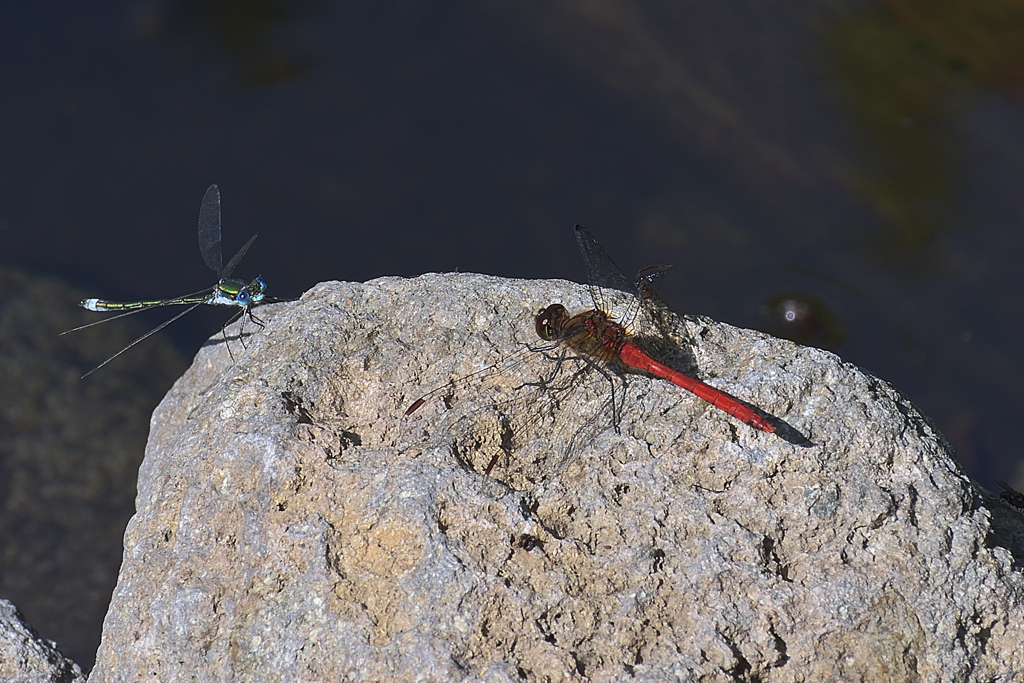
588 364
591 364
556 370
616 404
546 382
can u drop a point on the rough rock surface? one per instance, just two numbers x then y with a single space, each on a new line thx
70 451
293 525
27 658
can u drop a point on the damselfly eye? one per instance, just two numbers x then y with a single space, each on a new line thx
243 297
261 284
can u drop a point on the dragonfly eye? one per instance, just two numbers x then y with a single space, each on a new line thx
550 321
243 297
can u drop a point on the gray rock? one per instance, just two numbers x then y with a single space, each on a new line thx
27 658
70 451
293 525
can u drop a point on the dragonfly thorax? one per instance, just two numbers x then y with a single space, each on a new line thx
592 333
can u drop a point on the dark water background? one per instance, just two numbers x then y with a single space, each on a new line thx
859 165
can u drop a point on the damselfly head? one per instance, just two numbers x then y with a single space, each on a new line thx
252 293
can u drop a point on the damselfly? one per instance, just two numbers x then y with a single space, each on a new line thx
227 292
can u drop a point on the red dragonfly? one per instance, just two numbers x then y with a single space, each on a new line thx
589 340
596 334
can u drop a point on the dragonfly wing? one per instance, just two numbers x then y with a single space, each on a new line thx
209 230
233 263
657 317
601 269
518 421
648 280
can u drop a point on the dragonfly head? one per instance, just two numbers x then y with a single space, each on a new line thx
550 321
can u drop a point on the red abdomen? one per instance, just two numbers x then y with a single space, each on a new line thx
634 357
